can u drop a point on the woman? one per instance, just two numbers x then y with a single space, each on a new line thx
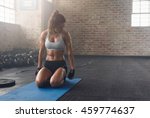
54 41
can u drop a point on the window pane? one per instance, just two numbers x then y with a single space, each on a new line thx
7 14
136 7
28 3
136 0
145 6
2 19
6 3
7 19
12 16
11 11
135 19
13 20
7 11
145 19
2 2
1 11
12 4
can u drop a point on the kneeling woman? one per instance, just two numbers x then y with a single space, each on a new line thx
54 41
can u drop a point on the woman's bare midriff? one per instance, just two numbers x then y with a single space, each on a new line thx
55 55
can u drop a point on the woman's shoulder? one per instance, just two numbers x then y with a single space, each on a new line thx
44 33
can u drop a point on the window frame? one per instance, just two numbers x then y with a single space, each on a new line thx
140 23
9 20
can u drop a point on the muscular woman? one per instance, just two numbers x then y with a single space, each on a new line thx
54 41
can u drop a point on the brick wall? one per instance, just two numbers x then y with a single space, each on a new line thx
103 27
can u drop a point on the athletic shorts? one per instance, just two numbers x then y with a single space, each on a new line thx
54 65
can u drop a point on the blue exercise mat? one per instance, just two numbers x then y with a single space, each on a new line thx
31 92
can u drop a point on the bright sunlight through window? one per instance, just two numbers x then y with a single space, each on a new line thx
7 11
141 13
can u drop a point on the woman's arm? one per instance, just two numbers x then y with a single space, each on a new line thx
69 50
41 48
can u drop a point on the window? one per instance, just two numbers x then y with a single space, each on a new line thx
7 11
141 13
28 4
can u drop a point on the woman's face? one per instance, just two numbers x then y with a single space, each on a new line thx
62 25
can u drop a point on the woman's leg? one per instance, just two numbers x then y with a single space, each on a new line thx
42 78
57 78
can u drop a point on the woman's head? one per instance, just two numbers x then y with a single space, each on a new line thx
56 23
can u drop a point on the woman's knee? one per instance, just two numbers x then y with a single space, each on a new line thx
58 77
39 83
56 83
42 78
53 82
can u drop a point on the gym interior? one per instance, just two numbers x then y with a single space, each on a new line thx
110 41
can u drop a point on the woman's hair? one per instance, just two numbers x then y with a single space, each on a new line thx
54 23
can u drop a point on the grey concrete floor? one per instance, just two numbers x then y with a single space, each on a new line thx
22 76
103 78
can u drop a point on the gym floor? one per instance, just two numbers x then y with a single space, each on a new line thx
104 78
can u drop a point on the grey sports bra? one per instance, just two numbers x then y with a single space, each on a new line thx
58 45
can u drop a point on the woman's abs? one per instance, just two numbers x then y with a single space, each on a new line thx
54 55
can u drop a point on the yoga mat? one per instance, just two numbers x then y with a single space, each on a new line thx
31 92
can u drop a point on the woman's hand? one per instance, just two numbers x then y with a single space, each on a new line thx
71 74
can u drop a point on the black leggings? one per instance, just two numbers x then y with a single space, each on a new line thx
54 65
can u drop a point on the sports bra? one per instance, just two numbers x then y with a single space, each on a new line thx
58 45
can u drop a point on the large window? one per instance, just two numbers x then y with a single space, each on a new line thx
7 11
141 13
